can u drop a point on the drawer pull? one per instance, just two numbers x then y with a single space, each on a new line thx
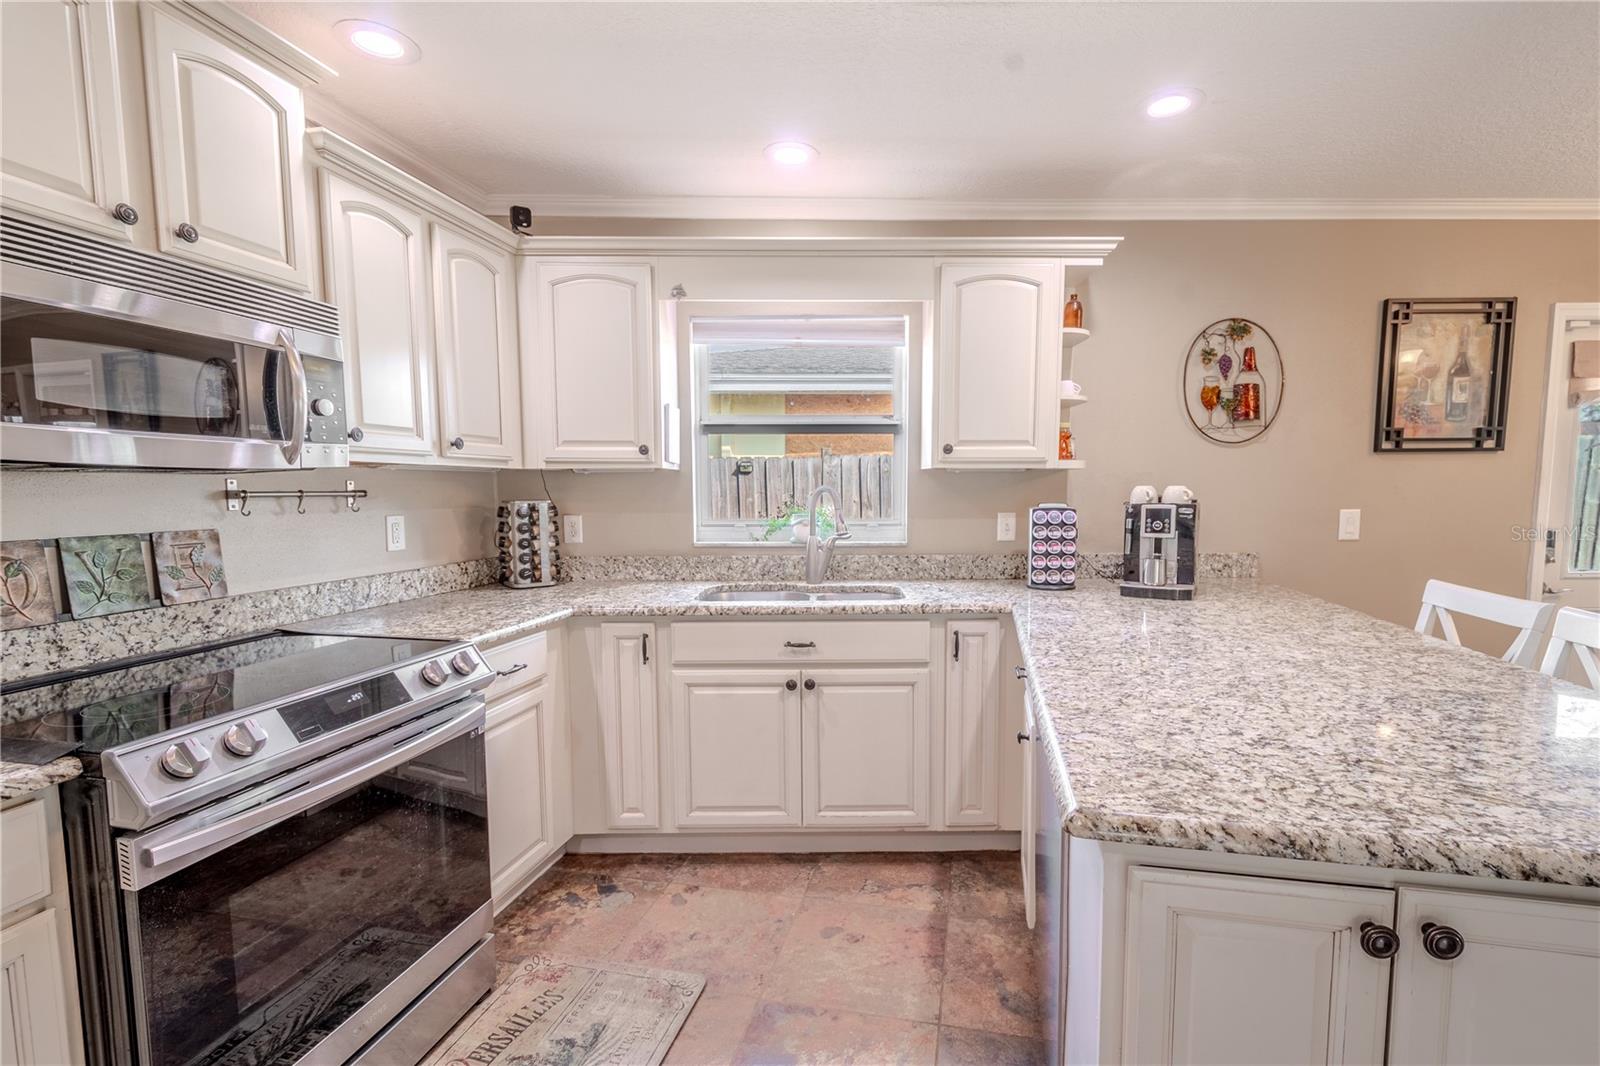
517 669
1023 738
799 644
1019 673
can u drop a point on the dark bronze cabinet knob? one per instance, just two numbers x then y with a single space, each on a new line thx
357 434
810 684
125 214
187 232
1442 942
1379 941
644 449
457 443
948 448
791 684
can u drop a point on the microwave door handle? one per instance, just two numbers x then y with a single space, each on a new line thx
154 861
299 401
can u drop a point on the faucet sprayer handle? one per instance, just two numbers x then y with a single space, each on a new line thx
841 534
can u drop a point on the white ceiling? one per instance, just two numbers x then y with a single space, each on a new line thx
985 110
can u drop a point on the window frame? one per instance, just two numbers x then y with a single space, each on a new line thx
723 534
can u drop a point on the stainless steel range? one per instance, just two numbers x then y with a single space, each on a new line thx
278 849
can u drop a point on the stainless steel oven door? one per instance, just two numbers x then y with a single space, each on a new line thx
287 925
93 386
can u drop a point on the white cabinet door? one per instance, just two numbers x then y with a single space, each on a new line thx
972 723
1030 816
1221 968
476 330
63 154
998 357
1523 989
33 1005
595 353
517 753
865 735
736 747
628 729
377 275
227 143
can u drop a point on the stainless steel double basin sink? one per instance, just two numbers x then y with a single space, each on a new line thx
798 594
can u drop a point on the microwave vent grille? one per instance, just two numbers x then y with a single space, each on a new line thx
24 242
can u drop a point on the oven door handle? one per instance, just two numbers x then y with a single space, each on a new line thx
299 401
168 849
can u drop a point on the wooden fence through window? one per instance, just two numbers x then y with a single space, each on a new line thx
864 484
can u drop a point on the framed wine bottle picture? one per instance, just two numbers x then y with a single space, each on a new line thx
1444 375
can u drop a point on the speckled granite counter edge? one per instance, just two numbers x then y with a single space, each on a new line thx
21 779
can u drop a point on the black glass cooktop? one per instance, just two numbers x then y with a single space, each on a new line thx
96 709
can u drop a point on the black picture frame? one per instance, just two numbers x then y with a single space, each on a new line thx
1427 402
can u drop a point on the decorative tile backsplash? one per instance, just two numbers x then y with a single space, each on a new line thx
861 566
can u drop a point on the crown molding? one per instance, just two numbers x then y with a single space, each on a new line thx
361 134
893 210
256 40
1073 251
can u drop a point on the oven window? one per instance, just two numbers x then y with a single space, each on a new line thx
255 954
71 369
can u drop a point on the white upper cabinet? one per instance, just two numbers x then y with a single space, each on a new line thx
1223 968
64 155
377 275
227 139
1518 980
996 361
596 381
475 328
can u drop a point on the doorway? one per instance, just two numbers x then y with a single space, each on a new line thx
1564 564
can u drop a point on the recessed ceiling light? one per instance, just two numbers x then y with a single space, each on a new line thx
379 41
791 153
1172 102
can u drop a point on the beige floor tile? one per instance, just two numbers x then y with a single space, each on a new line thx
636 867
731 938
908 880
986 884
972 1047
783 875
814 1036
572 916
991 977
714 1030
870 957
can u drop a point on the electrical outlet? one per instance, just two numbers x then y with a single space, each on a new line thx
1350 524
1005 525
572 528
394 538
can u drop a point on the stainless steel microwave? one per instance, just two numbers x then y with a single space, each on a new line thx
111 356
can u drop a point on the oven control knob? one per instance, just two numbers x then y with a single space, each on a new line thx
245 738
436 673
463 663
322 407
185 758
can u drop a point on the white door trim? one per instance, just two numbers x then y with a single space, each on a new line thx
1555 398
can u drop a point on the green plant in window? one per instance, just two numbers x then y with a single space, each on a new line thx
786 516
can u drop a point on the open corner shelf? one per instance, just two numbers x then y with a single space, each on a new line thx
1071 336
1073 401
1068 464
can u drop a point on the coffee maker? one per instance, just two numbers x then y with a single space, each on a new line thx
1158 543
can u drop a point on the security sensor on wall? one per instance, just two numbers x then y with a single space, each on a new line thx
521 218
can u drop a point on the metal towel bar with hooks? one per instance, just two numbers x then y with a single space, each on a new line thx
239 499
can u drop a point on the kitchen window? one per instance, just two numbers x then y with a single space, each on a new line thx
786 402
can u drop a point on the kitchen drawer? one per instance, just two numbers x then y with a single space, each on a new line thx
801 641
528 658
25 859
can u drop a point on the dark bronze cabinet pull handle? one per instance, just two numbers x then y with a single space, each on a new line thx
810 684
791 684
517 669
958 646
1023 738
1379 941
799 644
644 648
1442 942
1019 673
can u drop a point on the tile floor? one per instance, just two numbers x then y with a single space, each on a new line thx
840 958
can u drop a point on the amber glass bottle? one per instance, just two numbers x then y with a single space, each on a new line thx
1072 314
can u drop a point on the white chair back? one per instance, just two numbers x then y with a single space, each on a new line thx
1530 618
1578 633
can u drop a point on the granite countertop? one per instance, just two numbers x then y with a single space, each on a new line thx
1253 720
18 779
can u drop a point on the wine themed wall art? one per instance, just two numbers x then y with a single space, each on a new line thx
1233 381
1444 373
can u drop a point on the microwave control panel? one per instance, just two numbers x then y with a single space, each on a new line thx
327 442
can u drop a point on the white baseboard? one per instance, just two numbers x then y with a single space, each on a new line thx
790 842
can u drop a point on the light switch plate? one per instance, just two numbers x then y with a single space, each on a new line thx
394 536
1005 525
1350 524
572 528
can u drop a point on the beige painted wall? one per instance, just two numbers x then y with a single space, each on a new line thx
1317 287
449 517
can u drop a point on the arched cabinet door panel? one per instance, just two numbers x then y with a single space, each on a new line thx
475 330
227 139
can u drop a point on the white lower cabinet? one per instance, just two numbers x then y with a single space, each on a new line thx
865 735
517 753
1524 988
34 1023
736 747
628 728
1223 968
972 723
